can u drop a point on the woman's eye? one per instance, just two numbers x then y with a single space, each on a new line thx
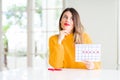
65 17
69 18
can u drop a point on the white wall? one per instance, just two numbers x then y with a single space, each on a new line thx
100 20
119 31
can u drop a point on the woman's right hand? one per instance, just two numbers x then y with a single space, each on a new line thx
62 34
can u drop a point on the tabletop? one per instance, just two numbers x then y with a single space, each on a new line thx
64 74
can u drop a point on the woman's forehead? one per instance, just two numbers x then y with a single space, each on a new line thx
67 13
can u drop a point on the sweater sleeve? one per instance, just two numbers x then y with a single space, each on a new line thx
97 65
87 39
56 53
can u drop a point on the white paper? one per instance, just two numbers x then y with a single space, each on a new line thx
87 52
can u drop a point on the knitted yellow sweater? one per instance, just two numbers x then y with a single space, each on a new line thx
63 55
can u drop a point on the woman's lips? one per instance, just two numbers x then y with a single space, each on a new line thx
66 24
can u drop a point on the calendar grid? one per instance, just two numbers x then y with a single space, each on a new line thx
87 52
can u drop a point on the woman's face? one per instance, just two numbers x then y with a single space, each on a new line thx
67 21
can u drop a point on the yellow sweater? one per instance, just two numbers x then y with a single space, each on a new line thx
63 55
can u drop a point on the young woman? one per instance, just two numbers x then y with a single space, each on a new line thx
62 45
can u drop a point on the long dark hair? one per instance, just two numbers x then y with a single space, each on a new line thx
78 27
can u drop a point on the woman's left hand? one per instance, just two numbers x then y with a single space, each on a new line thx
89 64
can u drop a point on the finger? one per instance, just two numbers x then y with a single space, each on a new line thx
66 32
87 62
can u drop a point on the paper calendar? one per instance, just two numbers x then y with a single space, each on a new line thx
87 52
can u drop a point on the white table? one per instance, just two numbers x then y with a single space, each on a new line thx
65 74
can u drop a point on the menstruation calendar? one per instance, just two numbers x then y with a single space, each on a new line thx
87 52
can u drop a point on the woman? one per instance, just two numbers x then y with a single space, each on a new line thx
62 45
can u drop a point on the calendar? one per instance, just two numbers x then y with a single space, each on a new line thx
87 52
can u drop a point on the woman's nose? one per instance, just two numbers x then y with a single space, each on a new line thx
68 19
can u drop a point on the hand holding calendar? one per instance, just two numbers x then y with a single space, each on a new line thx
87 52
